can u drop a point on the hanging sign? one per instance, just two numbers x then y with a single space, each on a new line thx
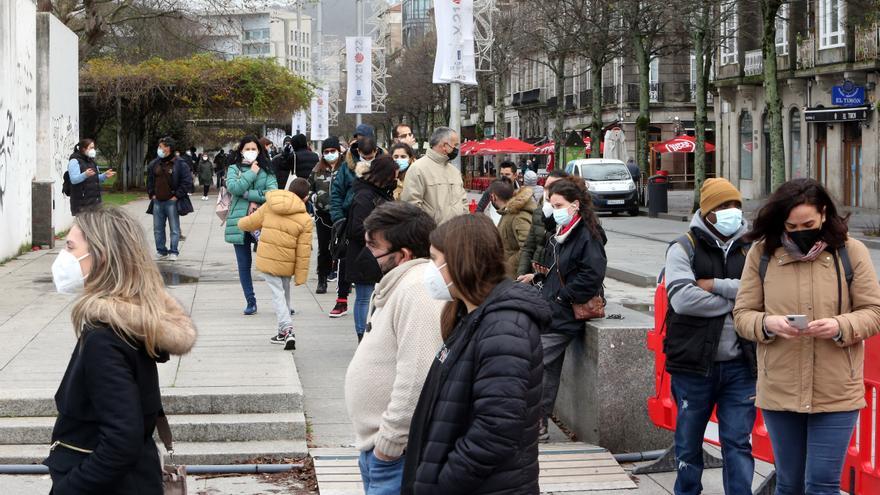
298 123
455 60
320 115
359 64
848 95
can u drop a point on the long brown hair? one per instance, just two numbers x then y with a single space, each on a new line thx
573 189
472 247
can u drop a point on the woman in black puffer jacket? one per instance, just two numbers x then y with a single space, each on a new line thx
475 428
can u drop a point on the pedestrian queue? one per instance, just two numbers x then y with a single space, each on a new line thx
319 181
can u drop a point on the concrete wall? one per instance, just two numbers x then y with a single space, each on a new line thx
17 122
57 111
607 378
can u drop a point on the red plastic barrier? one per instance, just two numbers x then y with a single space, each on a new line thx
861 472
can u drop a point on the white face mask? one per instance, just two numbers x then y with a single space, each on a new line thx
67 274
160 152
547 209
728 222
250 156
435 285
91 153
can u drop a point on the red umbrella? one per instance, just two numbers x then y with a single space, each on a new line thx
681 144
547 148
507 145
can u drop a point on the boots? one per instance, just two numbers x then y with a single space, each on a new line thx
322 285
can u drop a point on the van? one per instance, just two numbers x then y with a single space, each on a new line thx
609 182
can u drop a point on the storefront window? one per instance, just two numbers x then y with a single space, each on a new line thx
746 147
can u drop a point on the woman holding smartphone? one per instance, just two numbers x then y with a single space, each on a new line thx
810 380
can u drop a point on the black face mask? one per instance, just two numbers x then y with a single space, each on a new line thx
805 239
452 155
372 270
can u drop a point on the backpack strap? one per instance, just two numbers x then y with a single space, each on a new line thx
762 267
688 243
847 265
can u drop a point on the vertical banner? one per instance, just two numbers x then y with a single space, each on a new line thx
455 60
359 64
320 115
298 123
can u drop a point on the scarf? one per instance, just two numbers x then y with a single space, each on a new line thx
795 252
562 233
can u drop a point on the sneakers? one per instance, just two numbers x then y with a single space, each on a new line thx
161 257
204 198
333 276
172 257
251 309
543 434
322 286
286 337
341 308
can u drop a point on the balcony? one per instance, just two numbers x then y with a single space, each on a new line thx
517 100
551 103
586 98
570 103
754 65
867 46
806 53
530 96
709 96
654 92
609 95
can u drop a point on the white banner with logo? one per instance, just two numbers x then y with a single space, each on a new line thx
320 115
359 64
298 123
454 61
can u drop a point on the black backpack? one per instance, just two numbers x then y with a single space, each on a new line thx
66 185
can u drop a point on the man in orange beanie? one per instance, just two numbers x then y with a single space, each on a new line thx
709 363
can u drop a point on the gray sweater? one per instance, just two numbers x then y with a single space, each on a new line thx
689 299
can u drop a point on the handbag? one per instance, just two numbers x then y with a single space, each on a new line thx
592 309
173 475
224 199
338 238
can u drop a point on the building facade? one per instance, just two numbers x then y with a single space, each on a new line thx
283 35
828 70
415 21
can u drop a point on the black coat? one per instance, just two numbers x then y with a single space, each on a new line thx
86 194
580 262
181 184
306 160
107 402
475 428
359 268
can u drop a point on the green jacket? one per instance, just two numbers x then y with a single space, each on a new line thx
241 181
536 242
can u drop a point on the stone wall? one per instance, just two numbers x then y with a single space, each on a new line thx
17 122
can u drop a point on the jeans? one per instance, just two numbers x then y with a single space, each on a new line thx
243 258
280 287
362 293
809 450
162 211
731 387
323 224
380 477
343 287
554 345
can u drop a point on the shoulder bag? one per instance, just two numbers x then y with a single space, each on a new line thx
592 309
173 475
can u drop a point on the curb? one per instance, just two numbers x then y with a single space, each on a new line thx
643 212
632 278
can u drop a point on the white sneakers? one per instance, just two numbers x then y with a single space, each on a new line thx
204 198
172 257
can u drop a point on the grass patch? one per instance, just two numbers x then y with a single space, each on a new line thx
24 248
120 198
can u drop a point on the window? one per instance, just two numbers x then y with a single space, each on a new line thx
654 79
782 30
745 146
832 17
729 28
794 134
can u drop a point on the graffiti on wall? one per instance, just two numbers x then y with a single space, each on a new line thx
64 133
7 145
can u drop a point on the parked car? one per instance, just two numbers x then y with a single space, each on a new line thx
609 182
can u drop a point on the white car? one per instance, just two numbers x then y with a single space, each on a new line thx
610 184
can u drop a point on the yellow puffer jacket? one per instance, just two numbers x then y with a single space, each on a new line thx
285 235
806 374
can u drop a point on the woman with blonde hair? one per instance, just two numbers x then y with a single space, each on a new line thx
125 322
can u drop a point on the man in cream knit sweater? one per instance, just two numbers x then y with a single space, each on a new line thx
386 374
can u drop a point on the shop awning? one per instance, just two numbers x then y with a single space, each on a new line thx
681 144
505 146
549 147
837 114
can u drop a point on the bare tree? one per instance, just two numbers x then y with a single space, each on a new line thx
770 9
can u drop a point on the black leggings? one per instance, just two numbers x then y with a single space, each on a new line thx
323 223
206 187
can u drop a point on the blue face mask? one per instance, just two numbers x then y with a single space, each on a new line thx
561 216
728 222
403 163
160 152
331 157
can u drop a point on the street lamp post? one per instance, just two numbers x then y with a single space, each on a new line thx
359 18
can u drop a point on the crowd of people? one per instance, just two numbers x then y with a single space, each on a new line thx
463 320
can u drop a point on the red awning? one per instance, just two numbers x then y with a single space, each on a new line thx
681 144
507 145
549 148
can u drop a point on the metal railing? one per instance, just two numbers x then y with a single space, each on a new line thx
709 96
609 95
654 91
754 65
586 98
867 43
806 53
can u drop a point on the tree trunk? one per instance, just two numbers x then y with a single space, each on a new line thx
596 109
769 9
703 64
559 121
481 108
500 92
644 120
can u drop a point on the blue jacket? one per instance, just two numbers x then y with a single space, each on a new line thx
340 185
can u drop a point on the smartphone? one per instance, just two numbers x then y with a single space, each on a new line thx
797 321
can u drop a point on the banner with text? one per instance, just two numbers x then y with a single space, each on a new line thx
359 64
320 115
454 60
298 123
